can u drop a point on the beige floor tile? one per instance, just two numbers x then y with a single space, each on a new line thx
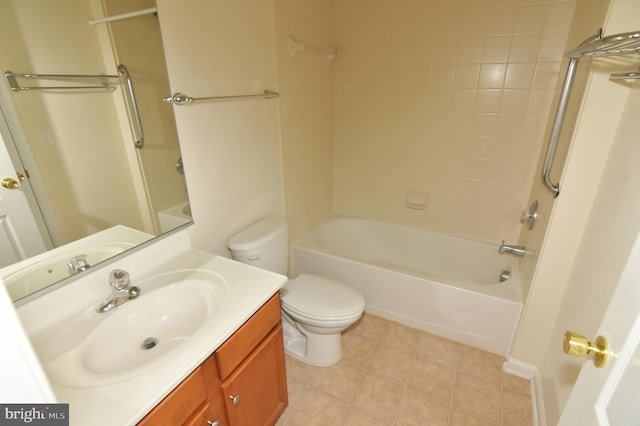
339 380
377 397
417 408
432 378
516 410
446 383
516 384
299 371
317 408
459 418
400 337
391 364
481 365
439 349
478 398
356 418
371 326
295 391
357 349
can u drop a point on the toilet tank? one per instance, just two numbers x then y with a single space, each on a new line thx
265 244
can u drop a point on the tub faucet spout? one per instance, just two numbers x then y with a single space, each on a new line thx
506 248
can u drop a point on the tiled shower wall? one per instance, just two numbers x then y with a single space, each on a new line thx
450 98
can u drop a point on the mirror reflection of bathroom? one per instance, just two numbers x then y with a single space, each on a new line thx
91 133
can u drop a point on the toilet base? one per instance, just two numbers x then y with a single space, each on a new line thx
315 349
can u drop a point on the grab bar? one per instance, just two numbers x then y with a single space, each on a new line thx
559 118
134 107
557 127
182 99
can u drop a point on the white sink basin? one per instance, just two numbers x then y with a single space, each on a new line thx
171 310
153 326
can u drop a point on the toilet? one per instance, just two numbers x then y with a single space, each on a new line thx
315 309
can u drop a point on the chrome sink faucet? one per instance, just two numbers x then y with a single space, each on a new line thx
506 248
120 290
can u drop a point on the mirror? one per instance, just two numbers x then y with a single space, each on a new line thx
77 186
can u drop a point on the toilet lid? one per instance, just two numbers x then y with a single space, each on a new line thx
316 296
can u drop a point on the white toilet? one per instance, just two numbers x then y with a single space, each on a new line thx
315 309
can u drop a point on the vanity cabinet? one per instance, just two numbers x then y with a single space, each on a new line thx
242 383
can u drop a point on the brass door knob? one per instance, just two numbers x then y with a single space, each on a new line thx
578 345
10 183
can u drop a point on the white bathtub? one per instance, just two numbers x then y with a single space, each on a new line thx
439 283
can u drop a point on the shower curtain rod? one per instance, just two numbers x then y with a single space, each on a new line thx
124 16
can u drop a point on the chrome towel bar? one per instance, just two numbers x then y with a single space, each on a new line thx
182 99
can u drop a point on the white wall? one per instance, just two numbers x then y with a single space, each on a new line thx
231 150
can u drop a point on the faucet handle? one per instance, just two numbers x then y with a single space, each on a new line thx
119 279
78 264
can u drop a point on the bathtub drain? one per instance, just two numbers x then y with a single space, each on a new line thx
505 275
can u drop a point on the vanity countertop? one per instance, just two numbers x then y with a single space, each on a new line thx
126 401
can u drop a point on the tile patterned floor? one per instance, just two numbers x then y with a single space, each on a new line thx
395 375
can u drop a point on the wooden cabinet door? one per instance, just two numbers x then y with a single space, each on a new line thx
180 404
202 417
256 392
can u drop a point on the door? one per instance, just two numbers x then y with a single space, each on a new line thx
611 395
20 236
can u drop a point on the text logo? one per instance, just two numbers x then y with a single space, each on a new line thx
34 414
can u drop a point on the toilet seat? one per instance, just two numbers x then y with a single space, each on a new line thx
321 299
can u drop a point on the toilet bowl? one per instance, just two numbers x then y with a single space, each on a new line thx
315 309
320 309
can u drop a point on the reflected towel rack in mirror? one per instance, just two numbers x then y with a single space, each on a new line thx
182 99
121 16
12 78
105 80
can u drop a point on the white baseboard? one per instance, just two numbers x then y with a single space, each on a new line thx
529 372
519 369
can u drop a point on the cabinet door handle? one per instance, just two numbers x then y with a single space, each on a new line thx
213 422
235 400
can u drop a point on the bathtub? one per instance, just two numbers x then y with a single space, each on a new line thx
445 285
